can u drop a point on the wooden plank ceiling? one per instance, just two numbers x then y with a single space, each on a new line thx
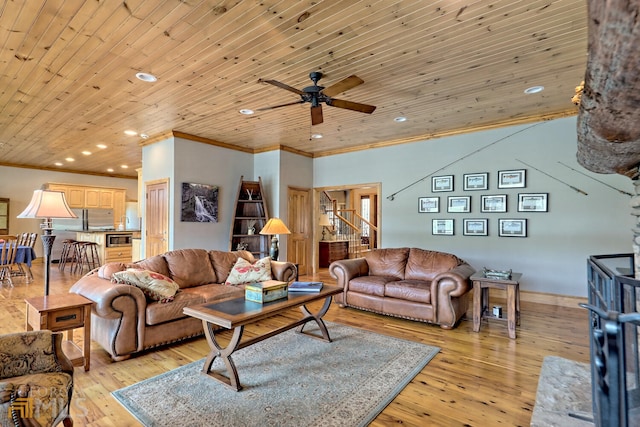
67 72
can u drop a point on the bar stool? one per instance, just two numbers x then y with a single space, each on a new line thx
66 252
75 253
87 255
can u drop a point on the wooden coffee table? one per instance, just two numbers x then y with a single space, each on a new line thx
235 313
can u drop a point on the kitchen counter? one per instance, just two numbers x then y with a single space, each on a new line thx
116 253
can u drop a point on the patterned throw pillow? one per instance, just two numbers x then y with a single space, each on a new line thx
244 272
155 286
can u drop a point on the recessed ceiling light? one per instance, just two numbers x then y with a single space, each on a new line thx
131 132
58 163
400 119
86 153
146 77
110 170
124 166
316 136
144 136
101 146
246 111
533 89
70 159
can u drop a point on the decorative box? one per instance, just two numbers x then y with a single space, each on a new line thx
266 291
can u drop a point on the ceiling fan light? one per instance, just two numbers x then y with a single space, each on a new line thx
533 89
316 135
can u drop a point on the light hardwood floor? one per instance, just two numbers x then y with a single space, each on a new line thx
477 379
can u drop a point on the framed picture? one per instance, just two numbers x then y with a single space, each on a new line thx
533 202
512 179
199 203
428 204
442 226
475 227
441 183
494 203
459 204
512 227
476 181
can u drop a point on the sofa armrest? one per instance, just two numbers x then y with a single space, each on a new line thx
346 269
119 314
103 293
457 280
448 290
283 271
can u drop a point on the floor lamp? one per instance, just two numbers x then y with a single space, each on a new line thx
274 227
47 205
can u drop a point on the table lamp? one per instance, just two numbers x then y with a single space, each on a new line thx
274 227
325 222
47 205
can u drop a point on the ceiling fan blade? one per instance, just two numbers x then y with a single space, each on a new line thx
282 86
343 85
355 106
281 105
316 115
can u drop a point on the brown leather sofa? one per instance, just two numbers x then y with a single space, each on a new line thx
125 322
417 284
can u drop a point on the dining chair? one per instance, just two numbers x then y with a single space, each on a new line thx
8 250
29 240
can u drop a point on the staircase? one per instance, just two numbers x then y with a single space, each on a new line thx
347 225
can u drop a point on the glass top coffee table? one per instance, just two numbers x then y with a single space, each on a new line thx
235 313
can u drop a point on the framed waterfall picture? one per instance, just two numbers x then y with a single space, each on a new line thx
199 203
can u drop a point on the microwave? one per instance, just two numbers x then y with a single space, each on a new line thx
113 240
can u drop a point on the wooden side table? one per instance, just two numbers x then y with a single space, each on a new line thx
64 312
481 310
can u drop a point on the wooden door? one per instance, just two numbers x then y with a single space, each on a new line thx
156 217
299 223
370 194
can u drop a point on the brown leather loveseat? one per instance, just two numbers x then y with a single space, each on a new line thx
412 283
125 321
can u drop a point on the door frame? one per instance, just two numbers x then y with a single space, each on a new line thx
375 187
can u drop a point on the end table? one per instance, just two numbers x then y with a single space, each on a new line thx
64 312
481 310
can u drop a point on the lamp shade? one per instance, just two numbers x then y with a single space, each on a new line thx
324 220
275 226
47 204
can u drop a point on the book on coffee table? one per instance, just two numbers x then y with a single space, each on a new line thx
305 286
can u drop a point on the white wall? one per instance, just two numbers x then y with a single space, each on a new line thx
183 160
18 185
553 256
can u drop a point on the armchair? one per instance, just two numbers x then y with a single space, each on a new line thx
36 380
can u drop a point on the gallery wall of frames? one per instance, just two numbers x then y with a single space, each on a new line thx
485 210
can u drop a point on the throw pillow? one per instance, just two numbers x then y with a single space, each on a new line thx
244 272
155 286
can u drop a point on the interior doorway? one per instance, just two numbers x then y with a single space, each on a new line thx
361 199
299 242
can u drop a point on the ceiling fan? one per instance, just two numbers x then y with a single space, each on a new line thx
316 95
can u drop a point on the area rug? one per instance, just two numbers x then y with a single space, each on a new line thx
288 380
563 398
